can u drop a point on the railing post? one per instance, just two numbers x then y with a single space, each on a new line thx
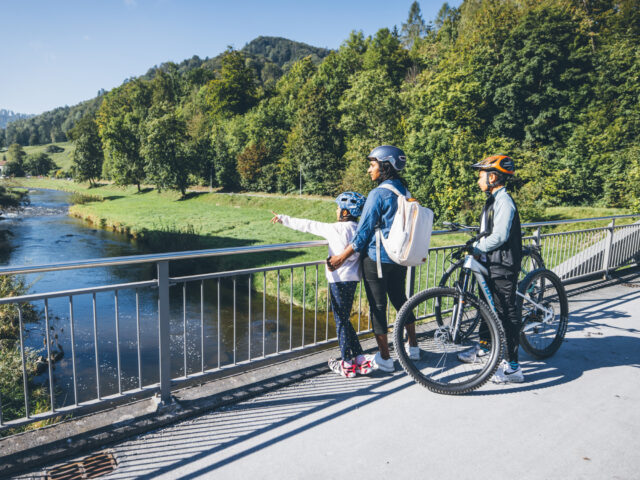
410 284
163 332
537 239
608 247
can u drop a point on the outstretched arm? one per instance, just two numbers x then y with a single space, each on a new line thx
324 230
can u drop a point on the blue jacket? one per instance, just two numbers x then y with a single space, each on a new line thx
379 211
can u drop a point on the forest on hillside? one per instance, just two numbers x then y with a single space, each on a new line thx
553 83
268 57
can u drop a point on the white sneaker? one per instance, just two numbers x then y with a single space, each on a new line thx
505 374
413 352
475 354
379 363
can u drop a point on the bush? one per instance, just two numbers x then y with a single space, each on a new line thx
54 149
11 380
78 198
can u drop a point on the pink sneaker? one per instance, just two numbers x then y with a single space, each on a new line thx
363 366
347 370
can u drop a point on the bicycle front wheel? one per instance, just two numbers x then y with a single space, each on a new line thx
542 304
439 369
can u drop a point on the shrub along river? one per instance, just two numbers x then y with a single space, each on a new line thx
43 233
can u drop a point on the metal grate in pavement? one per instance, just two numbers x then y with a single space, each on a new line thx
93 466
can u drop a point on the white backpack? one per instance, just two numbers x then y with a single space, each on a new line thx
408 240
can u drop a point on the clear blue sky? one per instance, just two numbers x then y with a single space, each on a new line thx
56 53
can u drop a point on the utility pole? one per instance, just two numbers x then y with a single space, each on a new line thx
300 178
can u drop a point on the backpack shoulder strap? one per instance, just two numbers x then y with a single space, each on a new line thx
394 190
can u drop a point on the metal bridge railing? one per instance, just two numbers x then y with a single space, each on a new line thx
113 342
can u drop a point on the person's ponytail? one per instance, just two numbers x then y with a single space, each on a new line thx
387 172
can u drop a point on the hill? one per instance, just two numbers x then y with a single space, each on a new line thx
283 52
269 57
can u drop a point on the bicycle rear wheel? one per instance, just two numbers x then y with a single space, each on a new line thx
542 304
439 368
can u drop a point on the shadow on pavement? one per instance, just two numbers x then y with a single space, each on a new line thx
590 351
189 442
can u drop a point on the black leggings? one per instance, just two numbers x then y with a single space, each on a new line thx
392 284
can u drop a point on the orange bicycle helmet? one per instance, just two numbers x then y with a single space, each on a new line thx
496 163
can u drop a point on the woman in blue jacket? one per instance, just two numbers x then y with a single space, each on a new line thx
385 164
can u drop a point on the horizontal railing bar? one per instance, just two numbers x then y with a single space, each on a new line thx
79 291
158 257
61 411
247 271
577 220
545 224
571 232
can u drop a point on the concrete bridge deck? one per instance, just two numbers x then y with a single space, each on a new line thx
577 416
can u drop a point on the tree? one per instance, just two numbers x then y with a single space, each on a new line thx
541 83
15 160
414 28
88 155
120 120
234 92
164 149
250 162
385 51
371 116
314 146
228 138
39 164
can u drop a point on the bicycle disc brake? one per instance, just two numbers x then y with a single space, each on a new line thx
442 338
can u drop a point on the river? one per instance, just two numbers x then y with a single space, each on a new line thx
43 233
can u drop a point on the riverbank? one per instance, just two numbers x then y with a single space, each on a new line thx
202 220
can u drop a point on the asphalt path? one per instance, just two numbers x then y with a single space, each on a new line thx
576 416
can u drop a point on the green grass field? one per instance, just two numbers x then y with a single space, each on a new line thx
62 159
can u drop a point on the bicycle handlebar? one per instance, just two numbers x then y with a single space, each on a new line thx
467 248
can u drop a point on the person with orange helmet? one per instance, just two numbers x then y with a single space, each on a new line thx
499 247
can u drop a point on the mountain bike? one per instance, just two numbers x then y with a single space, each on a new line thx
531 260
448 319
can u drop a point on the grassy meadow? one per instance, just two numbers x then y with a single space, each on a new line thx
62 159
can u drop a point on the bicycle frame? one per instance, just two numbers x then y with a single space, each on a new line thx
479 272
